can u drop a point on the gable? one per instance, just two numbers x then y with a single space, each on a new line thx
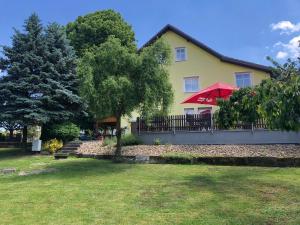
171 29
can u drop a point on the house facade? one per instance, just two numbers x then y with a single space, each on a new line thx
196 66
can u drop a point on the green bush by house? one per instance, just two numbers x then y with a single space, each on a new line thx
130 139
110 141
65 132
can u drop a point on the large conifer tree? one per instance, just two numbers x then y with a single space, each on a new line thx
40 85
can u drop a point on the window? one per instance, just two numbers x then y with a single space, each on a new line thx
191 84
243 80
189 111
180 54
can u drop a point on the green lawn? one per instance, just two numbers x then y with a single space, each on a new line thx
88 191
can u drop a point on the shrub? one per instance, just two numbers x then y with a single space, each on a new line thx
224 116
2 137
52 145
111 142
157 141
130 139
65 132
242 107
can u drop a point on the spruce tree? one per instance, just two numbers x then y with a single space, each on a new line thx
41 85
24 63
65 103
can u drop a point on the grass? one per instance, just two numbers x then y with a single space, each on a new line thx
89 191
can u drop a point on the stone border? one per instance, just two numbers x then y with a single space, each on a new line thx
226 161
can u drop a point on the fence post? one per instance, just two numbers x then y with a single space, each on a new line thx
252 128
173 123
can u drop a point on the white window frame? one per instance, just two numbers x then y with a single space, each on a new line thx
189 77
186 109
240 73
185 51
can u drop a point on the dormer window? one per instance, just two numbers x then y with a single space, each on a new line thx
180 54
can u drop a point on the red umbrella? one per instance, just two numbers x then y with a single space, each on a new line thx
210 95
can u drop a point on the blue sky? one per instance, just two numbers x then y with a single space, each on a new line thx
248 30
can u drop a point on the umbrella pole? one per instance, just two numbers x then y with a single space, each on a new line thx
211 123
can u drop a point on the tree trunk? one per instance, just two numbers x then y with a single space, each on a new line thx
11 134
118 134
24 139
96 128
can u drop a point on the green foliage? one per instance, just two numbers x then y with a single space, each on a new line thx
105 73
95 28
157 141
286 71
275 100
115 81
110 141
66 131
115 78
52 145
41 85
280 97
224 116
153 87
130 139
34 132
241 107
281 103
2 136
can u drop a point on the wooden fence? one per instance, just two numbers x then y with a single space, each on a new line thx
196 122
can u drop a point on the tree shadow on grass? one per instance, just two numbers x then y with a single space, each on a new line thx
12 153
76 168
231 181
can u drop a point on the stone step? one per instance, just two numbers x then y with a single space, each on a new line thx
75 146
72 148
64 150
75 142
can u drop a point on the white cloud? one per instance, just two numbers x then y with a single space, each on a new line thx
286 27
281 55
290 49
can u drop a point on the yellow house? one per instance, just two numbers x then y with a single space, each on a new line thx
196 66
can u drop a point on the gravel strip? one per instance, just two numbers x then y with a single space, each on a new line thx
279 151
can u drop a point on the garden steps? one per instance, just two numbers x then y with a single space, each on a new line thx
71 147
